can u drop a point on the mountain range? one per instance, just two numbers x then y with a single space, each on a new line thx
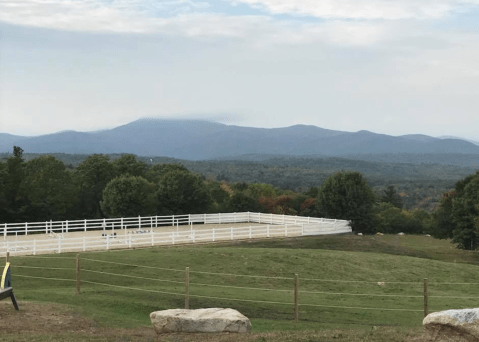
200 140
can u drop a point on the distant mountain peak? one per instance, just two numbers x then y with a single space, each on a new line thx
193 139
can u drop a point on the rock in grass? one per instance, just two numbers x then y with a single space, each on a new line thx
200 320
453 325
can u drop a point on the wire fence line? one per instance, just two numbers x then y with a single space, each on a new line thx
131 276
306 293
44 278
132 265
116 233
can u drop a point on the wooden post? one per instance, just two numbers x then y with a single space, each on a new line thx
296 307
78 275
187 288
425 298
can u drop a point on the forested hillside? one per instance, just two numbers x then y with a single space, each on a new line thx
420 185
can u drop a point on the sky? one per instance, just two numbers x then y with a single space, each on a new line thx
387 66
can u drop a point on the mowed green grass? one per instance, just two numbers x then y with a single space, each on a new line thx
332 271
327 272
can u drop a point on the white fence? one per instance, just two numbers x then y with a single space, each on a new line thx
29 238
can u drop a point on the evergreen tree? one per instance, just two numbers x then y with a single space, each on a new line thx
347 196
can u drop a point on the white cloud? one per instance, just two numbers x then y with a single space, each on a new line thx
135 16
363 9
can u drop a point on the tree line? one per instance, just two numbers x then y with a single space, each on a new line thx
419 185
43 188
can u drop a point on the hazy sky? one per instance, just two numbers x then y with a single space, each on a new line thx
388 66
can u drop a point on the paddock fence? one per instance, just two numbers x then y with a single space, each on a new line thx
133 232
287 297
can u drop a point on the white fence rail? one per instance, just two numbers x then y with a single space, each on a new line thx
117 232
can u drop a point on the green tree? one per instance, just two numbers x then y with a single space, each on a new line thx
456 216
390 195
442 226
4 209
128 196
181 192
47 185
391 219
465 212
347 196
240 202
218 195
14 172
156 172
312 192
258 190
128 165
91 177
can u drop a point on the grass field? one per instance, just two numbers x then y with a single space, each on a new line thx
341 270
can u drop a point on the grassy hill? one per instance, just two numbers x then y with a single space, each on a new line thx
341 292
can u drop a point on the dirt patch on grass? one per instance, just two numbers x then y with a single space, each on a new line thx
41 322
48 318
41 317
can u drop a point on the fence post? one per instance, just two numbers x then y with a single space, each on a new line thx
139 222
84 224
77 291
67 226
5 232
425 298
51 226
46 227
121 223
26 228
187 288
296 299
104 225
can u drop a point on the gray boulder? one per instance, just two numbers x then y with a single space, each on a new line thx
453 326
200 320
